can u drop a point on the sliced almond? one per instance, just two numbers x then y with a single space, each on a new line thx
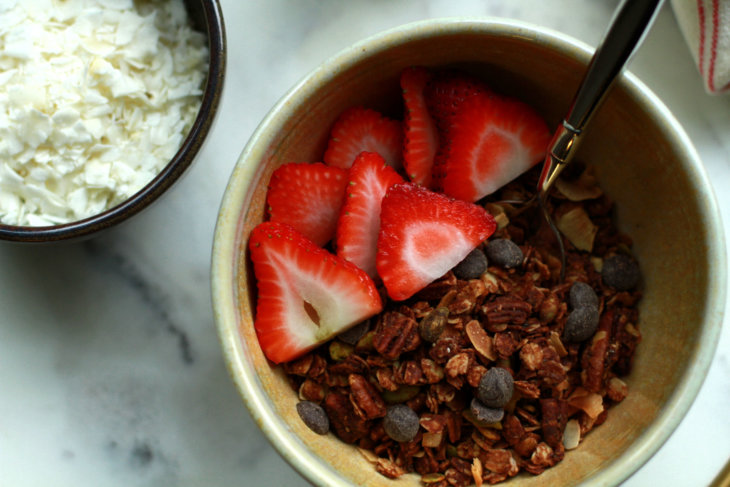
571 434
482 342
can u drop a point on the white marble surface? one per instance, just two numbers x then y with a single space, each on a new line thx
110 368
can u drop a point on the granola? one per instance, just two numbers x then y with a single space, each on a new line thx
482 377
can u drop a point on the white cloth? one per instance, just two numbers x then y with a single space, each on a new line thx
705 25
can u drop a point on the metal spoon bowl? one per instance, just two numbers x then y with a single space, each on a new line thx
625 34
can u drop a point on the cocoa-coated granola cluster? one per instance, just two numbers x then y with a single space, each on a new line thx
410 388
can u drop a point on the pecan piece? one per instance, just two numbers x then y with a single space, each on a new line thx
553 421
508 309
353 364
408 373
512 429
396 333
365 399
593 361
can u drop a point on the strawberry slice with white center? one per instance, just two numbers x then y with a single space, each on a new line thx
306 295
491 141
359 222
423 235
308 197
420 136
360 129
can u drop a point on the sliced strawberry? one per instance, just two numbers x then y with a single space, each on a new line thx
491 140
359 222
447 90
423 234
308 197
420 136
445 93
361 129
305 294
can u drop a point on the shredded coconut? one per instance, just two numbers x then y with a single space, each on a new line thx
96 96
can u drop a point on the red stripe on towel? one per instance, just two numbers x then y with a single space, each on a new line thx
701 21
713 49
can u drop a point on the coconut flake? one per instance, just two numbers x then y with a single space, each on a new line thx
96 96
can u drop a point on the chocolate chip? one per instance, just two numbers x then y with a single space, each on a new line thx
314 417
473 265
621 272
582 295
352 335
495 387
504 253
581 324
401 423
485 414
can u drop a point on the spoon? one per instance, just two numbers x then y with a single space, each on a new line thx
627 30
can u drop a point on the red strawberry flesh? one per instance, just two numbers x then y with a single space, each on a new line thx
306 295
447 90
359 129
359 222
420 136
423 235
491 141
308 197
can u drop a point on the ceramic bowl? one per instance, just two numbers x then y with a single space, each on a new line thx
206 17
643 159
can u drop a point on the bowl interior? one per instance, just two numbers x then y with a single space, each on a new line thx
642 160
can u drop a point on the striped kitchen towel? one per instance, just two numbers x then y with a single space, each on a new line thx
705 25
